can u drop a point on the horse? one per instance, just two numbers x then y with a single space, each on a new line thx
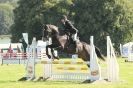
60 40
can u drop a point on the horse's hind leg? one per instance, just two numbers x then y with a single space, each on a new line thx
86 54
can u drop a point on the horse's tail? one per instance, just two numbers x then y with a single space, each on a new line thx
87 51
99 54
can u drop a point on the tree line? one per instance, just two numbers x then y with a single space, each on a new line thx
6 15
99 18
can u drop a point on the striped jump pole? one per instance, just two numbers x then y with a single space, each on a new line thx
73 68
64 62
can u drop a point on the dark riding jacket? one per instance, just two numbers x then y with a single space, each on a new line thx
69 27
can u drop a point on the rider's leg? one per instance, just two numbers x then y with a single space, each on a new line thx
52 46
75 37
70 40
75 41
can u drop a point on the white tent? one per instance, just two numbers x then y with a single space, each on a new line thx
126 48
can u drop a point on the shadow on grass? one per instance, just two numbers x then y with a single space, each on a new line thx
7 81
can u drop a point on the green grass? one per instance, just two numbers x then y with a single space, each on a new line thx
9 74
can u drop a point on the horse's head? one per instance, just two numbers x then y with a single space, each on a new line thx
49 31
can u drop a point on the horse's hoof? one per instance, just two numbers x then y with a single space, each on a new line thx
49 56
56 58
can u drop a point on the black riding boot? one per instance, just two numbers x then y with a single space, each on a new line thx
76 49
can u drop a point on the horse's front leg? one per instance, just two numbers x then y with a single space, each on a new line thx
53 54
52 50
47 53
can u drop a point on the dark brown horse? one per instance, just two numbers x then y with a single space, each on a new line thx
62 41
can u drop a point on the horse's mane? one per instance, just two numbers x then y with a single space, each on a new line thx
57 29
53 27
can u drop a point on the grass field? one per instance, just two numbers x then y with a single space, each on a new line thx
9 74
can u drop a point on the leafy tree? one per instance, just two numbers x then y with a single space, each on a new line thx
91 17
5 1
6 18
28 18
102 18
55 10
31 15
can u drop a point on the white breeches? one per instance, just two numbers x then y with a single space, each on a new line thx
74 37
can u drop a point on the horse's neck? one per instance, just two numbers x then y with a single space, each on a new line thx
54 29
60 40
59 36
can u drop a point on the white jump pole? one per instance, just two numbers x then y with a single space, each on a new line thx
112 64
25 37
95 70
31 61
1 59
48 67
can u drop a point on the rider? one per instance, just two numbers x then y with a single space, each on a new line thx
69 28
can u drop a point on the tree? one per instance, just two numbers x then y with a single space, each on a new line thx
91 17
31 15
103 18
6 18
28 19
